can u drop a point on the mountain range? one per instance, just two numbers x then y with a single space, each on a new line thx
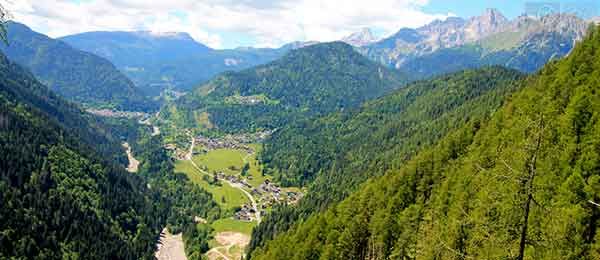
525 43
360 38
159 61
76 75
63 190
174 61
469 138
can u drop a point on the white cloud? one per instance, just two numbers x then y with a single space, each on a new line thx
270 23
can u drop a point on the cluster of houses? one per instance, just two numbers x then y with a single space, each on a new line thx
267 194
237 141
178 154
118 114
234 179
221 143
246 213
247 100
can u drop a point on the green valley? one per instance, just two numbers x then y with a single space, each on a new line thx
421 134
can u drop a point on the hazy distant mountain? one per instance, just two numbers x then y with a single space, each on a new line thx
137 48
168 60
524 43
74 74
360 38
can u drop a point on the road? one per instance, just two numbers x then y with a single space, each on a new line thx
189 157
133 163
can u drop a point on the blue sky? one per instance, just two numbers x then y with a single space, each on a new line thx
510 8
258 23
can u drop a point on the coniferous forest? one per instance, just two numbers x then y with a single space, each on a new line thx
519 185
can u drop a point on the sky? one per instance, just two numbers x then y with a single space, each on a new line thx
224 24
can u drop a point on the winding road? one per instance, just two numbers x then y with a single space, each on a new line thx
189 157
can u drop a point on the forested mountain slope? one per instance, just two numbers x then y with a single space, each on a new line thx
314 80
61 197
63 189
76 75
334 154
523 185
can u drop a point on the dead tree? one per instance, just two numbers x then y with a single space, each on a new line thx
528 183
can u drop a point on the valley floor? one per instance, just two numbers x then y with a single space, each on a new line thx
245 197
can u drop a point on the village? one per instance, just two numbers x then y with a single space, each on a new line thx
267 194
206 144
264 195
118 114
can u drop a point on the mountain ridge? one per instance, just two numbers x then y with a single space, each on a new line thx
317 79
74 74
488 39
158 63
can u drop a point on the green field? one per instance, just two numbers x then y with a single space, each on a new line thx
221 160
224 160
226 196
229 224
255 167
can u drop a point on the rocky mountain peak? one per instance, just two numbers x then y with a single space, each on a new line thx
361 38
566 24
490 22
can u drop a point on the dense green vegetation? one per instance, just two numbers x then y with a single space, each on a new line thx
333 155
384 132
310 81
521 185
64 191
61 192
76 75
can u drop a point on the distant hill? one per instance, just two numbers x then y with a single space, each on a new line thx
314 80
524 43
175 61
76 75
